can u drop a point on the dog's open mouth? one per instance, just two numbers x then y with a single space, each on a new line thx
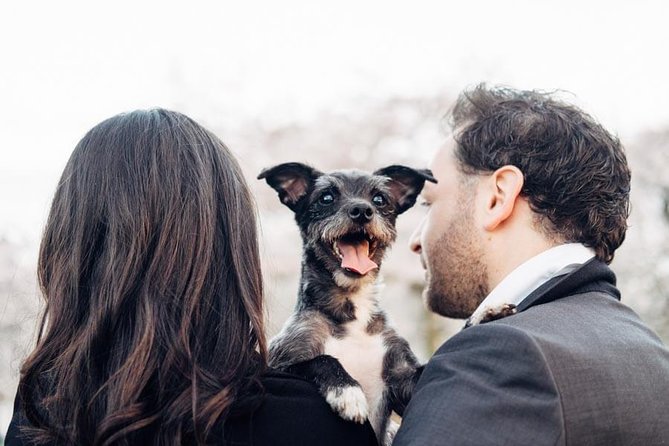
355 251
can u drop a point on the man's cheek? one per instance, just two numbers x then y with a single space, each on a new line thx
430 230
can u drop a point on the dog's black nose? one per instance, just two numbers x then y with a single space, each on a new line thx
361 212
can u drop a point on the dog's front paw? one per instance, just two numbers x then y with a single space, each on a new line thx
499 312
492 313
349 402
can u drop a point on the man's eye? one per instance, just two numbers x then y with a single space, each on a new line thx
423 202
379 200
326 198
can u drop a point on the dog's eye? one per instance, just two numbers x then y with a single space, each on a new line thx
379 200
326 198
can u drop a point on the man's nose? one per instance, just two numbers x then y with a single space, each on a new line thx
414 241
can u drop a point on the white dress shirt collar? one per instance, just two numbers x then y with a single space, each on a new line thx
531 274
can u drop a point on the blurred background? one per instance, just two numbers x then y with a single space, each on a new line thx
335 84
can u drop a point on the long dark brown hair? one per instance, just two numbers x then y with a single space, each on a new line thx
150 271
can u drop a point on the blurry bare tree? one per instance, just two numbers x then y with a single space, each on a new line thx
365 136
407 130
368 135
19 307
642 263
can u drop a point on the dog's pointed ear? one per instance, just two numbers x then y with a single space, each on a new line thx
405 184
291 180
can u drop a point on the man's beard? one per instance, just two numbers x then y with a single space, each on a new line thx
458 278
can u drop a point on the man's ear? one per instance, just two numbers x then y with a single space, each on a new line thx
405 184
291 180
503 188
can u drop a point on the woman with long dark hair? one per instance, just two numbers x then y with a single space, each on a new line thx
153 327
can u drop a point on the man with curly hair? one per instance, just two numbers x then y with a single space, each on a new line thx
531 203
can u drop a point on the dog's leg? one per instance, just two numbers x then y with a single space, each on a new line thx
401 371
298 349
301 339
341 391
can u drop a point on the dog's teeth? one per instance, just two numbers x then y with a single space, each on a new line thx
335 248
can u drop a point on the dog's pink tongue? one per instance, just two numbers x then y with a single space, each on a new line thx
356 257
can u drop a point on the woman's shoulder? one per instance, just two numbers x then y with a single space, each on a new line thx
286 387
289 412
292 412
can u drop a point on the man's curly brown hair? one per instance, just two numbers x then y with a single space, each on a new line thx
577 179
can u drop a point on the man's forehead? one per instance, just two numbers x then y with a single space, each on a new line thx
442 158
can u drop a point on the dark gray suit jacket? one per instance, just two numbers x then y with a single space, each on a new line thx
573 367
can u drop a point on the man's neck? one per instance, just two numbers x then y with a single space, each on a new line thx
507 253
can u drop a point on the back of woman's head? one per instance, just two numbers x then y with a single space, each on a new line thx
150 271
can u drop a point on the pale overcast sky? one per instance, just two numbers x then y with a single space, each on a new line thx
64 66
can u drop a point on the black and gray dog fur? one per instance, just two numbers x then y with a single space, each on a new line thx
338 336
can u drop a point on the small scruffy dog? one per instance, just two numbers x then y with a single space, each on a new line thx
338 335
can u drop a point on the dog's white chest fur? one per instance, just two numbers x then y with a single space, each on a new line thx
360 353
